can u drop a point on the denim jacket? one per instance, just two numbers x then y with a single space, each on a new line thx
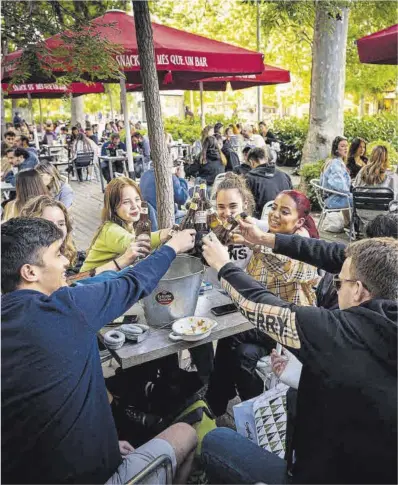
336 177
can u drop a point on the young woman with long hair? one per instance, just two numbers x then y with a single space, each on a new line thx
57 185
356 156
122 208
46 207
375 173
28 184
211 162
237 356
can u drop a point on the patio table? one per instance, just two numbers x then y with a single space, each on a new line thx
158 344
109 161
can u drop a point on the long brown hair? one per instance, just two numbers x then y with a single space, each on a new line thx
28 184
375 171
234 181
35 208
112 201
56 178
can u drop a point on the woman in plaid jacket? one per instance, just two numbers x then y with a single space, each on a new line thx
291 280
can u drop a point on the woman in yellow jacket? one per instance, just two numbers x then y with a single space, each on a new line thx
122 208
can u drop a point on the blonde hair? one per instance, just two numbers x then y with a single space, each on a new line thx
35 208
56 178
234 181
112 201
374 172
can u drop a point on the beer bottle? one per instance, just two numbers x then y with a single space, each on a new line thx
189 220
213 221
143 226
201 213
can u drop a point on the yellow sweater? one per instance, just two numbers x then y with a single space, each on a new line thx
112 241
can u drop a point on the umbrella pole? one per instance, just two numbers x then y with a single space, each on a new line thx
32 121
202 112
259 97
123 96
41 114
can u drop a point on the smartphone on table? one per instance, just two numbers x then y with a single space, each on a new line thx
219 311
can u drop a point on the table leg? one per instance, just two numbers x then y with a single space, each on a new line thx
110 169
101 176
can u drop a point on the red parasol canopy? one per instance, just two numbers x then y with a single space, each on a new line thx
49 91
380 47
179 55
270 75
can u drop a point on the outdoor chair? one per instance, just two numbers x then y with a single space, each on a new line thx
82 160
321 194
58 155
160 462
368 202
266 210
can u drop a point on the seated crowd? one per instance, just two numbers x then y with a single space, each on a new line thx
334 307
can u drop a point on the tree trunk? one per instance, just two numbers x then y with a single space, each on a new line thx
159 152
14 108
77 111
362 106
327 83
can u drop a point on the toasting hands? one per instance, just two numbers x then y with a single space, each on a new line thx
182 241
214 252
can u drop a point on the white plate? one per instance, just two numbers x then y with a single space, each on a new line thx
188 329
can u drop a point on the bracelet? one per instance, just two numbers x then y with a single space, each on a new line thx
117 265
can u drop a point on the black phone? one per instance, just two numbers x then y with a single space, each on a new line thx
218 311
127 319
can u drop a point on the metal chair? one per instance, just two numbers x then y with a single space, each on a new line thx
266 209
368 203
82 160
161 461
321 194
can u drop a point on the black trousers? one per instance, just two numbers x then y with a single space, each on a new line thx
234 369
117 167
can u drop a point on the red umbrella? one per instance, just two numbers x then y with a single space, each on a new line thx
179 55
380 47
49 91
270 75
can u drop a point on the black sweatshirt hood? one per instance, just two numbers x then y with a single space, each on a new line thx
264 170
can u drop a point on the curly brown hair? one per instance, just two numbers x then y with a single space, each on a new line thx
234 181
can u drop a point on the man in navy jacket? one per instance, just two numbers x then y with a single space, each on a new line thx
57 425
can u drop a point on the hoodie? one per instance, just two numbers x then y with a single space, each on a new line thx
209 170
346 423
57 425
265 182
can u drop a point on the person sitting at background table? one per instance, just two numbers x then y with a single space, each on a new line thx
212 162
143 145
376 174
28 184
52 373
333 393
289 279
57 185
82 144
19 159
110 148
122 207
8 142
23 142
106 132
49 134
198 144
356 157
335 176
180 187
90 134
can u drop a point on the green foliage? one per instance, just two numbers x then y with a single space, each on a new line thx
378 127
308 172
291 130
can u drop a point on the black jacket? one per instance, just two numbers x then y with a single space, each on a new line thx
328 256
242 169
265 182
209 170
346 426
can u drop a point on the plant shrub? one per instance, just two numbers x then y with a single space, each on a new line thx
382 126
309 172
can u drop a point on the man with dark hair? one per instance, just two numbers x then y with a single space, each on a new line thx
244 167
268 136
218 128
142 142
20 159
346 426
9 141
264 179
17 120
110 148
57 425
23 142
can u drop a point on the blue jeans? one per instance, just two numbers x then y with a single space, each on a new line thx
335 201
230 458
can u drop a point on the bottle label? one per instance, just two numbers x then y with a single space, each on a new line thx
200 217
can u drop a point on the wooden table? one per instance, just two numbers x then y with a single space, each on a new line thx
158 344
109 161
